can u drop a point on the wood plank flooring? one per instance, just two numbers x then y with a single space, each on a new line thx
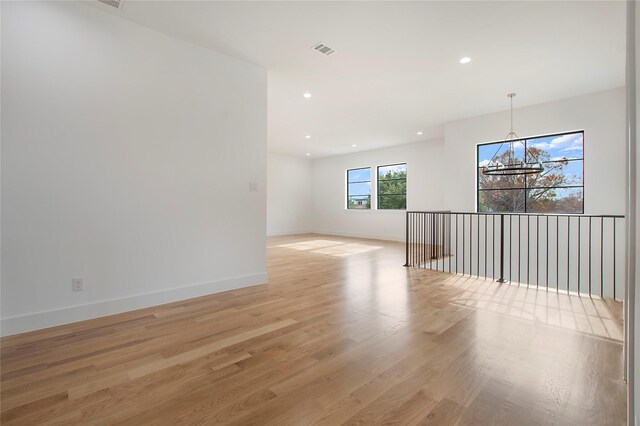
342 334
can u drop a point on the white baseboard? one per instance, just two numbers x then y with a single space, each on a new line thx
39 320
288 232
360 235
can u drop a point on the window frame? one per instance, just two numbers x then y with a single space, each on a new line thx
378 185
525 188
346 176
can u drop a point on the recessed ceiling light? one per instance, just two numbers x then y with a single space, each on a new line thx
418 133
308 154
307 136
465 60
354 145
307 95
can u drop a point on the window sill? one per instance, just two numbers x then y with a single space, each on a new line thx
374 211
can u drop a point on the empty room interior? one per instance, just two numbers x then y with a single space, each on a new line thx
319 212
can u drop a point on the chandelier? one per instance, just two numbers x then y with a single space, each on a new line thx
512 167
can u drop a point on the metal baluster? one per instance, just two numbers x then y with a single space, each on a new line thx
423 231
470 245
547 254
415 235
428 227
449 239
519 248
410 240
440 241
510 247
528 249
579 254
590 256
429 237
478 246
463 242
501 279
557 252
537 251
418 221
423 238
406 239
493 246
614 258
415 238
601 256
485 246
442 238
568 251
421 245
456 243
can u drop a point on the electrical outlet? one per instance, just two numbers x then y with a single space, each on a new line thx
253 187
77 284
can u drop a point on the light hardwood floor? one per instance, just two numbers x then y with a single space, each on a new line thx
341 334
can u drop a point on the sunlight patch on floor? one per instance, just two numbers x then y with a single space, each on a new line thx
592 316
331 247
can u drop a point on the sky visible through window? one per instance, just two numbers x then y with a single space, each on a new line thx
396 168
359 188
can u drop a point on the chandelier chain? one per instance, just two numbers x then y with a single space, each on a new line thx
512 168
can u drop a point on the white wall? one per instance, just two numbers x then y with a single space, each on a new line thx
126 160
289 209
441 174
425 186
601 115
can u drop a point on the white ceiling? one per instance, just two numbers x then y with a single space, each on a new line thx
396 69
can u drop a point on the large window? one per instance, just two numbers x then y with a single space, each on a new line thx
392 186
558 189
359 188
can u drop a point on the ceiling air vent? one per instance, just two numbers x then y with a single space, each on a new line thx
113 3
322 48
